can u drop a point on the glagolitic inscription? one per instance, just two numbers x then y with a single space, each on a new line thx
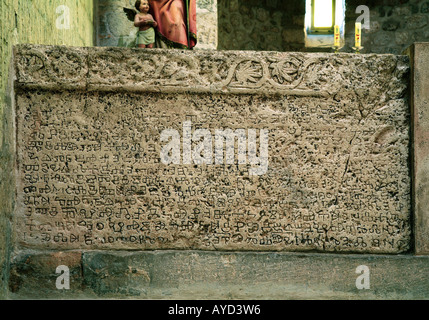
91 174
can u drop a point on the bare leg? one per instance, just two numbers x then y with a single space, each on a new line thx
142 46
150 45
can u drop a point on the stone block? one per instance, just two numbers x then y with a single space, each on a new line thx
34 275
402 37
419 55
383 38
135 161
374 27
210 275
207 30
293 35
416 21
120 274
424 7
390 25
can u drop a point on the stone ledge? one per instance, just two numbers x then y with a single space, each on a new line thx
170 71
217 275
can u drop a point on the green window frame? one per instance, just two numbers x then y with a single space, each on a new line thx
322 30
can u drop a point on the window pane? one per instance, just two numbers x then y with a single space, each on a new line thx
322 13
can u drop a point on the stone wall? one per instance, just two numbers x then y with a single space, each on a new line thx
279 25
207 24
395 25
274 25
30 22
261 25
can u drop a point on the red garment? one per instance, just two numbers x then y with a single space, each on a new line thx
176 26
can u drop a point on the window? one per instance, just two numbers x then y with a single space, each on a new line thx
322 16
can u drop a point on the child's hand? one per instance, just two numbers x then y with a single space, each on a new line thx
152 23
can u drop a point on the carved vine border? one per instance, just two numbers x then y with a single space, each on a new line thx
160 69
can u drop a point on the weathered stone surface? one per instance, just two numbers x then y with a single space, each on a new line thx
7 181
207 24
219 275
246 25
46 27
402 37
34 274
416 22
425 7
51 67
419 55
207 30
173 71
29 22
90 173
390 25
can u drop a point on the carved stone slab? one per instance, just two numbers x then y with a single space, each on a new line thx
93 125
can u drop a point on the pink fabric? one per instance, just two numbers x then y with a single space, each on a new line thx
171 18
